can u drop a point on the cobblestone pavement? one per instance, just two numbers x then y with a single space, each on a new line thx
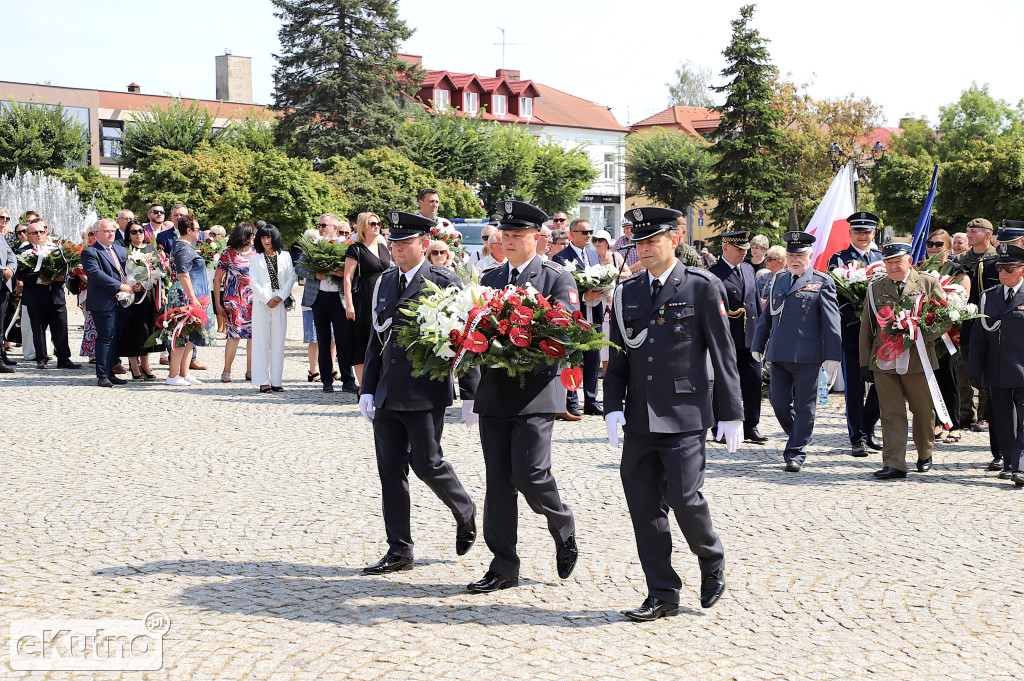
248 517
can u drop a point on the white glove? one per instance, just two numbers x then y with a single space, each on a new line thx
733 431
758 357
366 407
612 420
469 417
831 367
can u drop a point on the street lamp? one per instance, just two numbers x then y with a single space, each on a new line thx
861 166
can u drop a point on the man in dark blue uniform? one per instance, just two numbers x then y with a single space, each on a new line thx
861 408
997 344
516 422
667 320
581 254
743 307
800 329
409 417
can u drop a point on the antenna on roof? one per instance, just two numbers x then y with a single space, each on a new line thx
503 44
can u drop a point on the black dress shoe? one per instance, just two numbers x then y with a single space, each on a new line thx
888 473
9 362
41 365
117 380
924 466
1018 479
565 557
574 411
593 410
465 535
995 465
754 436
68 364
104 382
389 563
874 444
859 450
712 586
350 388
492 581
651 609
792 466
4 369
328 388
1005 475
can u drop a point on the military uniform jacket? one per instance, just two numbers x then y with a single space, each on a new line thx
740 294
801 321
387 372
498 394
997 343
843 258
882 291
661 385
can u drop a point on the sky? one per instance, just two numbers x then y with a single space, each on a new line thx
910 57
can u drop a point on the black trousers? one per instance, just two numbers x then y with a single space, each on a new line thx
750 389
328 313
109 327
1007 425
662 472
407 439
5 297
861 413
517 455
55 318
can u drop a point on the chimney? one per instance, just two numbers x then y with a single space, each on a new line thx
234 78
509 74
134 87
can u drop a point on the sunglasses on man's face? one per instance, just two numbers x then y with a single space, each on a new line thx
559 219
1007 268
156 212
323 226
583 231
935 244
37 233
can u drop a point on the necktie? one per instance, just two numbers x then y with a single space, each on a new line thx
655 289
120 272
899 288
401 282
1009 296
586 261
513 275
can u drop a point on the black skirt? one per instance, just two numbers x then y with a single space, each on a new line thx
140 326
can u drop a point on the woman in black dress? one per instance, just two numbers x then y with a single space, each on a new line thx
141 317
366 258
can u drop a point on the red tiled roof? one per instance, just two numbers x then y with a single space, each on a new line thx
883 135
554 107
692 119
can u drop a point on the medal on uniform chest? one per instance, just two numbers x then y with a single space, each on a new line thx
678 328
661 316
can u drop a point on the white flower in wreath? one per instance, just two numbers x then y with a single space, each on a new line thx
954 315
972 308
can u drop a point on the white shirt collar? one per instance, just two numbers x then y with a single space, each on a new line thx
412 273
1014 289
663 278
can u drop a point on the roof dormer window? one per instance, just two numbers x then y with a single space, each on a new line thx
500 105
526 107
442 99
470 102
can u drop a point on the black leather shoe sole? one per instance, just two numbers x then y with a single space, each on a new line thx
402 565
496 585
651 614
890 474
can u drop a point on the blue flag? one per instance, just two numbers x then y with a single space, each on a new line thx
925 220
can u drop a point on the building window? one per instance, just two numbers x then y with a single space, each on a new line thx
470 102
442 100
500 104
110 141
526 107
611 167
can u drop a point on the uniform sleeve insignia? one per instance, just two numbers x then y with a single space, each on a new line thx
721 308
574 297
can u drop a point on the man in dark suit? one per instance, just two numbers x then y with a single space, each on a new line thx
861 405
581 254
125 219
516 422
997 344
46 304
104 264
408 412
8 268
743 307
667 320
800 330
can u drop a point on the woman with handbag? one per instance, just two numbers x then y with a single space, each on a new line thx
365 260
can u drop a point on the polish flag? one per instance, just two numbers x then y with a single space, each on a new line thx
829 225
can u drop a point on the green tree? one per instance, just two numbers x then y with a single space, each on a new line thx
38 137
976 116
451 145
899 184
513 175
672 168
106 193
339 81
916 138
560 176
691 87
750 180
255 131
177 128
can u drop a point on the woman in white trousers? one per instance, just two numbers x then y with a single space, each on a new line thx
272 276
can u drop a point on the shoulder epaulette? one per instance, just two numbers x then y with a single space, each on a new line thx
700 272
635 275
551 264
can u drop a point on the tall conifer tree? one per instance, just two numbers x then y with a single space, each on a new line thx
338 81
750 180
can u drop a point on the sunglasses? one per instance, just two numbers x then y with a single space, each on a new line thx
437 252
5 218
323 226
373 224
559 219
1007 268
156 212
583 231
344 233
935 244
137 231
37 233
21 231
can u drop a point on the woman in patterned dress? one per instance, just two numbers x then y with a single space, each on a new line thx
89 326
233 271
188 287
365 259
